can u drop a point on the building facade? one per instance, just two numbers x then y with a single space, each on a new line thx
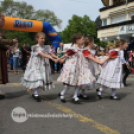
117 20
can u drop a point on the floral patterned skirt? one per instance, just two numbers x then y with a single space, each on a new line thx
75 74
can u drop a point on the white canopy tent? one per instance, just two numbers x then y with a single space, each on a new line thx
67 46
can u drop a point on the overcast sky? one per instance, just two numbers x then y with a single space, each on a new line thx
64 9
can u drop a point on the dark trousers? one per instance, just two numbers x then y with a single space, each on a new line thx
126 73
23 63
52 65
11 66
59 66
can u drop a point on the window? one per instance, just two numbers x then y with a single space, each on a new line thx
104 22
119 18
132 15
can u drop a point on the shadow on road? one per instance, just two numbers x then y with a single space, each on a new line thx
13 95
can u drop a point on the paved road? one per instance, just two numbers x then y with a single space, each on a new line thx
91 117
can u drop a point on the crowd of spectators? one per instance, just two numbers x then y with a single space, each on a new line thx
18 57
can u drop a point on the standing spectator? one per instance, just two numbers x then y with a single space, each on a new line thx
8 55
126 70
60 54
20 60
16 53
28 52
28 49
3 48
132 60
107 50
24 57
11 58
111 47
98 51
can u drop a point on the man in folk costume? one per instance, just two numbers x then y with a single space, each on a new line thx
3 60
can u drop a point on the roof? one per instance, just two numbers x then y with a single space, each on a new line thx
105 2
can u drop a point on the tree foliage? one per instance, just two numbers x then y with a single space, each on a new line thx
111 44
76 24
83 25
25 11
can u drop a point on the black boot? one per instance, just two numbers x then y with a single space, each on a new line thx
83 97
62 100
125 76
37 98
76 100
114 98
99 96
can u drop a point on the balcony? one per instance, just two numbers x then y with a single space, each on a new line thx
117 24
113 3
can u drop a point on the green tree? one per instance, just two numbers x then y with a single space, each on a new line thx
102 44
25 11
49 16
81 25
111 44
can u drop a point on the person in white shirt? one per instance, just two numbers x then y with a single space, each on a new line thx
123 61
16 54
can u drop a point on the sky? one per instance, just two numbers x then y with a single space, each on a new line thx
64 9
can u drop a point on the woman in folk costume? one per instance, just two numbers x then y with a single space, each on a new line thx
76 71
111 73
38 73
89 44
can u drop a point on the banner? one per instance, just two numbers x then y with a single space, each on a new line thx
27 25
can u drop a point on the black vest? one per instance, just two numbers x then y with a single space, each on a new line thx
125 55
